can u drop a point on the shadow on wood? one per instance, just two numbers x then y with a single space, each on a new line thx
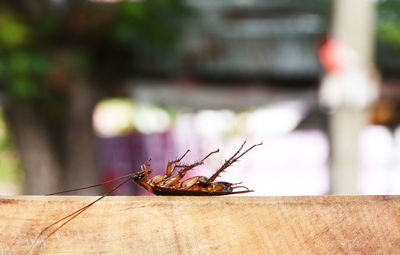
204 225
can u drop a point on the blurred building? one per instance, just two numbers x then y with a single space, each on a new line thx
244 70
249 40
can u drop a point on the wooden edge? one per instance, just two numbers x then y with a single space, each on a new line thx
264 199
210 225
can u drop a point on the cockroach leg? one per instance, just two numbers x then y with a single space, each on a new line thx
230 161
209 154
173 181
143 168
185 169
169 172
189 167
226 164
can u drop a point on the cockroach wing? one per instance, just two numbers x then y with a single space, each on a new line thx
189 182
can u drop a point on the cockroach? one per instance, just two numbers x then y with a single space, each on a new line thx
168 184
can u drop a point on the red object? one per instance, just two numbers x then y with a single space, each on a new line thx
331 55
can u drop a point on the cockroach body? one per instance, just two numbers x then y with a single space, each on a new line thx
171 185
198 189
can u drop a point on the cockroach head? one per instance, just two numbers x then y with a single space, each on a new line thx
141 175
138 177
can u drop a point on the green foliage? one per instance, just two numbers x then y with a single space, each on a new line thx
154 22
10 168
13 33
41 52
388 28
23 72
22 68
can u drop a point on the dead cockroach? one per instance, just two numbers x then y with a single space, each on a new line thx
166 184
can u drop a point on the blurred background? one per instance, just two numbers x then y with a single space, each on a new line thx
89 90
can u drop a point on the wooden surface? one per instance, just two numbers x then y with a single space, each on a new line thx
204 225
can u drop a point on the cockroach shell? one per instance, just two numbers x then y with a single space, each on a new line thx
157 179
171 181
189 182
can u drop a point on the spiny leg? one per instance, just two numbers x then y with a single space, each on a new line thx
162 178
188 167
241 147
169 172
226 164
174 180
185 169
229 162
209 154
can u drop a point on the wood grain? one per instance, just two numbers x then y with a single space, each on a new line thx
204 225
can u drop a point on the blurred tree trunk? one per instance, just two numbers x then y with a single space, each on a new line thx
80 158
67 162
42 167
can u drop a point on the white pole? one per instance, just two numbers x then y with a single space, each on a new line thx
351 90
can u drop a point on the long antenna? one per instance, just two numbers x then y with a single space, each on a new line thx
92 186
74 214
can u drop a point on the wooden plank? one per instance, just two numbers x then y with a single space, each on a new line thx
204 225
